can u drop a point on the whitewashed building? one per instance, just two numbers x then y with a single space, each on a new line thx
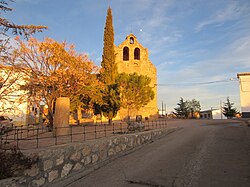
212 114
14 102
244 79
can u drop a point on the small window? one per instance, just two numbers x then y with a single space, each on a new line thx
131 40
137 54
125 53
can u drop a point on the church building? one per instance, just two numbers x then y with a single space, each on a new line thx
132 57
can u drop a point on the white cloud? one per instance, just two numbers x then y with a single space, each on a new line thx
233 11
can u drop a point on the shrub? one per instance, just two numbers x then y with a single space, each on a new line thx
13 161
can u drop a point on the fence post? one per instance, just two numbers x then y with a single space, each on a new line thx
95 131
71 134
1 141
121 127
15 133
84 133
105 130
21 131
6 138
37 137
28 130
55 135
17 139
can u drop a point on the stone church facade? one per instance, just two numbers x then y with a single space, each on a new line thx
132 57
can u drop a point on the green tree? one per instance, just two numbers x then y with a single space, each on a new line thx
182 109
193 107
228 110
135 91
110 104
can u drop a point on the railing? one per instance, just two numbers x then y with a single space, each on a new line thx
32 137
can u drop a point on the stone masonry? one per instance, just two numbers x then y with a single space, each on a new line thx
64 161
132 57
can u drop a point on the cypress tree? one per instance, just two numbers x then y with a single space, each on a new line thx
111 94
109 68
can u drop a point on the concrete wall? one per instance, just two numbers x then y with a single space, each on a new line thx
245 94
78 159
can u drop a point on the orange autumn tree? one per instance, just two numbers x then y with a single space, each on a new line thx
54 70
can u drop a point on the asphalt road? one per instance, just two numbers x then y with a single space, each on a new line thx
208 153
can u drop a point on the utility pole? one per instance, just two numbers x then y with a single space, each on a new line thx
162 108
166 109
220 110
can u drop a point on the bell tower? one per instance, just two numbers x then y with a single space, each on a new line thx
132 57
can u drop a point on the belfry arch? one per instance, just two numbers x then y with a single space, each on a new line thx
125 54
137 54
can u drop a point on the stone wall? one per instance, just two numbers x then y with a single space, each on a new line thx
78 159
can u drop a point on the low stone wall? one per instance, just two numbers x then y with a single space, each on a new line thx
78 159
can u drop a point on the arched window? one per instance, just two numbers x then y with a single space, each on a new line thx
125 53
131 40
137 54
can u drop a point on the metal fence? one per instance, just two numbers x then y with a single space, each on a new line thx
32 136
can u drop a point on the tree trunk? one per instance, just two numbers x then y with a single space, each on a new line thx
79 115
110 121
50 118
50 115
128 114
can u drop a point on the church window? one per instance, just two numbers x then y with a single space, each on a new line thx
131 40
137 54
125 53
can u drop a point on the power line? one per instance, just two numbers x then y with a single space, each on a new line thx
198 83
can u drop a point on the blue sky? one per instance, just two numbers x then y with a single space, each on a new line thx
189 41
